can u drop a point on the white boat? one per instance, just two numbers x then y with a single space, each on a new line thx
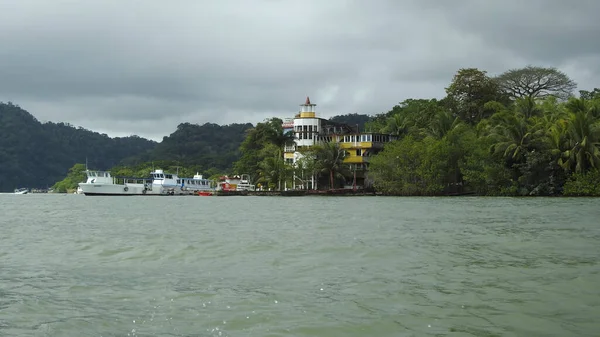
195 184
235 183
244 184
23 190
159 183
102 183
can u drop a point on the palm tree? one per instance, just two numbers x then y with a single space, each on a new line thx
528 107
396 124
272 169
329 159
442 124
582 143
511 134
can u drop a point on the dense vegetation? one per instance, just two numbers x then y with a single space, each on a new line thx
208 146
352 120
521 133
36 155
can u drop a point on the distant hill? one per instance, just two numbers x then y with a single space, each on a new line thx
37 155
208 146
352 120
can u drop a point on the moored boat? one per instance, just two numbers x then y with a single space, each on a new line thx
235 183
102 183
159 183
23 190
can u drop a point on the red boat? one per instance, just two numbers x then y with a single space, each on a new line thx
205 193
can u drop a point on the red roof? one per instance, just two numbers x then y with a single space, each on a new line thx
307 101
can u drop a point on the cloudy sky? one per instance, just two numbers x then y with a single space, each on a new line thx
143 66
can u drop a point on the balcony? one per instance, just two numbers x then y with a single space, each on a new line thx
289 148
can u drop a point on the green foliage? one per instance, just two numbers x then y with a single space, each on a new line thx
328 160
74 177
469 92
352 120
255 148
583 184
477 141
272 170
202 146
590 95
412 167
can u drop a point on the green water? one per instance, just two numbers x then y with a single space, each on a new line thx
72 265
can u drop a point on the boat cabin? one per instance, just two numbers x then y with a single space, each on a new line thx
98 177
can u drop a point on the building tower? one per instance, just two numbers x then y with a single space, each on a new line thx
306 125
308 109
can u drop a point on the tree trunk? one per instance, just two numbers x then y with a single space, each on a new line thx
331 179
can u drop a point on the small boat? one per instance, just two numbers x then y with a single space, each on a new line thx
235 183
23 190
205 193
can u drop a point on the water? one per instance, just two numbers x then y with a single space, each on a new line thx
72 265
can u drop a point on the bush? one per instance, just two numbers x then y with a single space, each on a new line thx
583 184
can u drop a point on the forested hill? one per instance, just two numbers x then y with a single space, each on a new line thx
352 120
207 146
34 154
37 155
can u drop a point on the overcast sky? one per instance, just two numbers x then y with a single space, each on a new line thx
142 67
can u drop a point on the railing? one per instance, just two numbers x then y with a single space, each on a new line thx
289 149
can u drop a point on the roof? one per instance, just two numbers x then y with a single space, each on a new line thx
307 102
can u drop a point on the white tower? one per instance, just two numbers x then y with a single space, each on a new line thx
306 125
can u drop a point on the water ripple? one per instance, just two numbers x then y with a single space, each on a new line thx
311 266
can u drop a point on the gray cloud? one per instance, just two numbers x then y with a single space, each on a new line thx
129 67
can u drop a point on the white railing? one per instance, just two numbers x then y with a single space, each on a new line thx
291 148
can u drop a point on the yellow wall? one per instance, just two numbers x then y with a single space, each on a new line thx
359 145
307 115
354 159
288 155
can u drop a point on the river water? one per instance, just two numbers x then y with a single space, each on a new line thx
72 265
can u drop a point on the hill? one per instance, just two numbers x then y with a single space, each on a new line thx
352 120
207 146
35 154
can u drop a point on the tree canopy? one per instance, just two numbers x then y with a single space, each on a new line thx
536 82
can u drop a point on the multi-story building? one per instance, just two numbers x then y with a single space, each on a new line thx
310 130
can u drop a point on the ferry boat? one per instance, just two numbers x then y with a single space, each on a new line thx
102 183
196 184
159 183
